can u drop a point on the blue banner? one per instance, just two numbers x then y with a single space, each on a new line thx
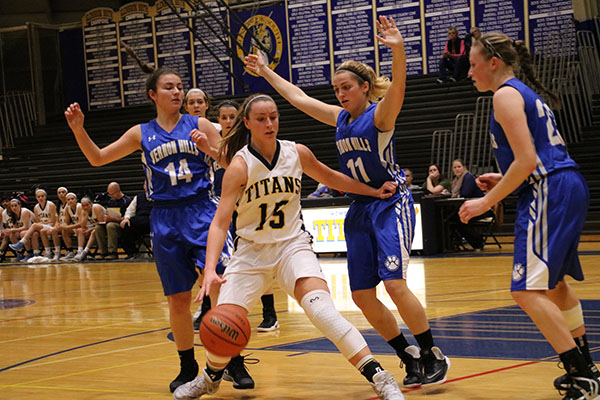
173 42
101 59
211 76
551 25
504 16
407 15
268 27
439 16
309 42
135 29
353 31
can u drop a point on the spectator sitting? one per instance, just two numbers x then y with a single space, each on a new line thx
409 180
436 183
322 191
136 223
453 58
474 34
108 235
464 185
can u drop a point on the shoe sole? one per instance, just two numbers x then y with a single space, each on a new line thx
413 385
425 385
269 329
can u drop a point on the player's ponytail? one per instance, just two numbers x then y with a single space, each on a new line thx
155 74
514 54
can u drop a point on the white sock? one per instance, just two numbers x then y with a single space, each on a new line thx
79 249
87 249
57 249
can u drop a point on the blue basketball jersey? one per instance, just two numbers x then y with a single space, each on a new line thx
175 168
550 148
365 153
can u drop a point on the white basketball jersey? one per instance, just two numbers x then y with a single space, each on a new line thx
73 215
43 214
21 222
92 220
61 212
269 208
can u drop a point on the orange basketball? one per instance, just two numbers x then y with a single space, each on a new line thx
225 330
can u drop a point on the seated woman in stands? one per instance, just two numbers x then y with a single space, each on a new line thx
70 223
18 220
464 185
89 217
453 59
436 183
44 220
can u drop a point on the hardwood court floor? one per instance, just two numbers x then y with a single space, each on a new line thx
101 331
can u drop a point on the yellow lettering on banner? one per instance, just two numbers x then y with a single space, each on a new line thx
330 225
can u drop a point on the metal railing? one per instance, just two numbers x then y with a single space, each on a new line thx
17 117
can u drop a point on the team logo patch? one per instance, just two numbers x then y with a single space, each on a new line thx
392 263
518 272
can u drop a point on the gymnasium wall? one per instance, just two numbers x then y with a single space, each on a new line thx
303 40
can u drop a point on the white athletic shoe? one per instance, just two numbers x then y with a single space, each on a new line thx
35 259
386 387
192 390
80 256
68 257
56 257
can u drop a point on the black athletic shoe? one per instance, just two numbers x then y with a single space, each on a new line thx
184 377
411 361
564 382
268 324
435 366
583 389
237 372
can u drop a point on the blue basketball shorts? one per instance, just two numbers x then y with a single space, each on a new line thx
550 217
379 237
179 236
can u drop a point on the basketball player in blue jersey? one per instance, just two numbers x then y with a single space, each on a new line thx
551 209
262 184
173 154
378 233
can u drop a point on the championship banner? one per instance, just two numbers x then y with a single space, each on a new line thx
550 20
407 15
173 40
211 76
309 42
353 31
505 16
135 29
263 32
439 16
101 58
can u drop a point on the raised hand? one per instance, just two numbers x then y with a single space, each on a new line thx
389 33
74 116
255 63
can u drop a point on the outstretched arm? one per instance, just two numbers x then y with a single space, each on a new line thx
335 179
234 181
129 142
323 112
389 107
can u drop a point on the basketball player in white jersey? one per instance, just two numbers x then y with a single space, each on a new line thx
89 217
262 184
18 221
61 192
70 222
44 220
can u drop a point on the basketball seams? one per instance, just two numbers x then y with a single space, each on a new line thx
228 336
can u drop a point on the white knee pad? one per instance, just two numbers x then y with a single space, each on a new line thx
574 317
321 311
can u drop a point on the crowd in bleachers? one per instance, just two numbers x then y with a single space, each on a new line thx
100 224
